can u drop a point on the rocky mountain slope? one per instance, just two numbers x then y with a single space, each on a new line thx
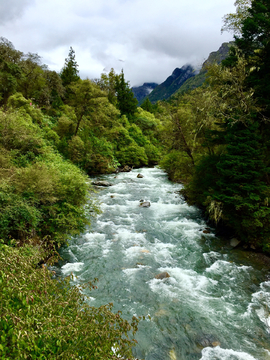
172 83
140 92
181 80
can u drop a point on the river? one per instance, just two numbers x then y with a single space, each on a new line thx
215 304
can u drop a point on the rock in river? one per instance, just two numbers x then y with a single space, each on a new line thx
162 275
140 176
101 183
126 168
145 204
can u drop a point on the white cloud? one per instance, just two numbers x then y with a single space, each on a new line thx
152 37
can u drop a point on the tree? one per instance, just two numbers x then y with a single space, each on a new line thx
233 22
32 82
10 71
84 95
70 72
126 102
255 45
241 187
107 83
147 105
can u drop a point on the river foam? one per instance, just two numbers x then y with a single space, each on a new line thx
210 307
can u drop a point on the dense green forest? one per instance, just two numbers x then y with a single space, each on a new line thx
56 129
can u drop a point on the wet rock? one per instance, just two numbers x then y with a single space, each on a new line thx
206 231
145 204
208 340
234 242
162 275
140 176
141 200
126 169
145 251
101 183
112 196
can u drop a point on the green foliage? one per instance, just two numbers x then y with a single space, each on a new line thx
126 102
132 155
178 165
101 159
41 194
241 186
43 318
254 43
152 153
107 83
70 72
233 22
136 134
18 217
147 105
146 121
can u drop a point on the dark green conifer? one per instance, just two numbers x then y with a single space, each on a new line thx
147 105
70 72
241 186
126 102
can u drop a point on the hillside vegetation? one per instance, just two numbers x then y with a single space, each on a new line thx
56 129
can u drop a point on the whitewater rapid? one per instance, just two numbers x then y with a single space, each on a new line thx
215 304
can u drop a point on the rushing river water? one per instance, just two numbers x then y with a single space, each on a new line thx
215 304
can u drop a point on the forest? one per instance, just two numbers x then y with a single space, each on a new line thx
57 129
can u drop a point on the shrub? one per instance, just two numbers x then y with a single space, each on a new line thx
178 165
44 318
132 155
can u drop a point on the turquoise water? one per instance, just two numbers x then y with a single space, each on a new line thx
215 304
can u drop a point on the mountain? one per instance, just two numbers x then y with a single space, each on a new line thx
140 92
181 80
220 55
214 57
172 83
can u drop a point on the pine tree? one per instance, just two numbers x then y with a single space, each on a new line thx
126 102
70 72
147 105
254 42
241 185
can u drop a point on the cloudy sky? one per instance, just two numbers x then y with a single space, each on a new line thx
147 38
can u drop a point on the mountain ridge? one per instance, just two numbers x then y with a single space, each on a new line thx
182 79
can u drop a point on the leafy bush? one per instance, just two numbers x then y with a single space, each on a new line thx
132 155
44 318
178 165
152 153
41 194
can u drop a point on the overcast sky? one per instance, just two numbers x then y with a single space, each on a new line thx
147 38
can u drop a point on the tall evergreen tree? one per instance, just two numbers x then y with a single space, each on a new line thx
241 187
126 102
254 42
70 72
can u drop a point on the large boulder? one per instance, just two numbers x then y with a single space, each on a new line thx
101 183
162 275
145 204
